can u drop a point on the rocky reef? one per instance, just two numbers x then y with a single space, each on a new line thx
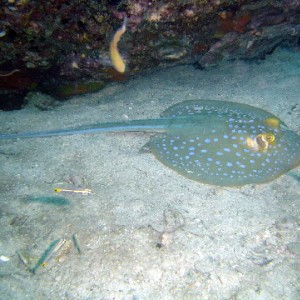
61 47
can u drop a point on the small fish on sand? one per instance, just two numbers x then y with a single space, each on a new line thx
79 191
52 250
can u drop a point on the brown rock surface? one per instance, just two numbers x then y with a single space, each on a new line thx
68 41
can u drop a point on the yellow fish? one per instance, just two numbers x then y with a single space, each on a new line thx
115 56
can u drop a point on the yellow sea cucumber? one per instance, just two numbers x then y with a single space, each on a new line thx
115 56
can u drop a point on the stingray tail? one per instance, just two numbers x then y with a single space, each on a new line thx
158 125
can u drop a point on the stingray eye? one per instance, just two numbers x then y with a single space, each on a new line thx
269 137
261 142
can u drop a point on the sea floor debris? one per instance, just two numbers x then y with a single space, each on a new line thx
55 252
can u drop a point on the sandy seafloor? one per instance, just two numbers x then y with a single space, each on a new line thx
147 232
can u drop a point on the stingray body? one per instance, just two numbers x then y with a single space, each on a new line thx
215 142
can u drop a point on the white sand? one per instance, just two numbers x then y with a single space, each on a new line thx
216 243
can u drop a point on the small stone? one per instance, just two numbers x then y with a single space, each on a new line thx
4 258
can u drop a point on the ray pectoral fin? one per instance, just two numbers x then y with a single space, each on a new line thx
145 149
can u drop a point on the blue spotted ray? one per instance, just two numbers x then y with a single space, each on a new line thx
215 142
